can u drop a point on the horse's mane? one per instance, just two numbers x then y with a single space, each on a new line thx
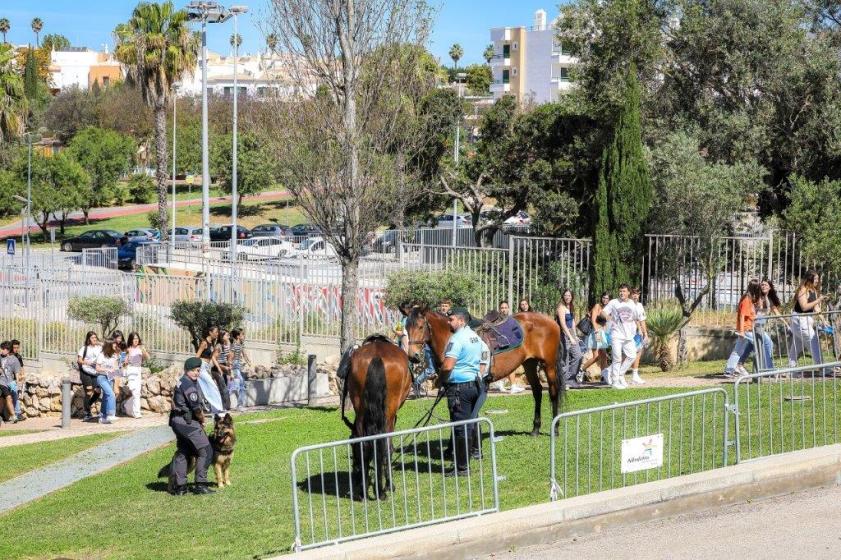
378 337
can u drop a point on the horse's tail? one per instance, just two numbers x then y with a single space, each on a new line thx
373 398
343 373
373 419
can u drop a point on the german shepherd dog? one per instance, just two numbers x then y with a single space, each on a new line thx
222 439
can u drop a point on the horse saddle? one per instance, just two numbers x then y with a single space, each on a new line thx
500 333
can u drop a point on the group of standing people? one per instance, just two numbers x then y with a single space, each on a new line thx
760 302
618 325
222 356
109 368
11 373
113 367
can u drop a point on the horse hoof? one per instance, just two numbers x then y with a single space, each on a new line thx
535 432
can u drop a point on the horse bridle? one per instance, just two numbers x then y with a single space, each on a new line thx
426 338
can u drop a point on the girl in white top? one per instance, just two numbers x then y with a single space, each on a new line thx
136 354
107 368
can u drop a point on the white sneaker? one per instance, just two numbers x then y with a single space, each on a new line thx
112 419
623 382
516 389
636 379
617 385
740 369
138 416
104 420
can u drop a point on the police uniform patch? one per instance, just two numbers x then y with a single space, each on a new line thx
449 347
194 397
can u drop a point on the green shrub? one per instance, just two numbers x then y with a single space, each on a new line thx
198 316
663 321
431 287
141 188
102 310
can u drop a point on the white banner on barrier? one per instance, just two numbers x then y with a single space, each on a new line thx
642 453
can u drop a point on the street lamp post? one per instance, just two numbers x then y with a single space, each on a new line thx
205 12
236 11
456 151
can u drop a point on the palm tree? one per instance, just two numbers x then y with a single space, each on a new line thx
236 38
663 322
37 26
456 53
158 49
488 54
4 27
12 97
271 41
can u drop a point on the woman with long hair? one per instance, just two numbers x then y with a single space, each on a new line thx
807 302
119 339
598 341
207 383
745 316
221 366
769 304
86 360
571 344
524 307
107 369
136 354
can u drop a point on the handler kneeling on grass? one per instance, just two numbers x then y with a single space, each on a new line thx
460 369
187 421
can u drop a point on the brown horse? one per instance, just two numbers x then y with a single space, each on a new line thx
540 344
378 380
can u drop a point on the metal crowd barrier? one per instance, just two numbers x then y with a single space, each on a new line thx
795 340
786 410
628 443
329 509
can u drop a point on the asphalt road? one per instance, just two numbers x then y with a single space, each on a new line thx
803 525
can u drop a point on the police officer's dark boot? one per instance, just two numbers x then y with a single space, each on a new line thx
179 490
203 488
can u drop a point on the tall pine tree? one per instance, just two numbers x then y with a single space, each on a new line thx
623 199
30 76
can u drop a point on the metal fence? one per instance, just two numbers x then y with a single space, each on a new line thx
335 499
640 441
734 261
798 339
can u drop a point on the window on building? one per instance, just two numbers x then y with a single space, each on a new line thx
564 74
514 45
561 47
106 81
506 51
505 77
514 71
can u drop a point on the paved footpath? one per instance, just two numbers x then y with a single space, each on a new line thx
35 484
801 525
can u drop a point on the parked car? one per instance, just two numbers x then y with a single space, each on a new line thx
262 249
270 230
314 247
143 234
445 221
127 253
305 230
92 239
223 233
521 218
188 234
387 242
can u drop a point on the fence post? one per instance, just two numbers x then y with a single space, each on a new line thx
770 254
312 380
301 300
511 270
66 402
41 323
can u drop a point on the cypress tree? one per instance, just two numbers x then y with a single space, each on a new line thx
30 76
623 199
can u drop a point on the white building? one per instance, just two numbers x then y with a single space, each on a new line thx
529 62
80 67
262 75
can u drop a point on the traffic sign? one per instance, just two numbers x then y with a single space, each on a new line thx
10 246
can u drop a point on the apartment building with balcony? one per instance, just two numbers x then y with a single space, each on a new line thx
529 62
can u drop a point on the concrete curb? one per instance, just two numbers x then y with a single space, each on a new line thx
550 522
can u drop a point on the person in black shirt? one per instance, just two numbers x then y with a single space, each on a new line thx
186 419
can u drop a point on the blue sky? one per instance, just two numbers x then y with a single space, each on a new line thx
89 22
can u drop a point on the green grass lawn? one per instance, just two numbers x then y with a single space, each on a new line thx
10 433
253 518
18 459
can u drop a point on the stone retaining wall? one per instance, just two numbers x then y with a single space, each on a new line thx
41 394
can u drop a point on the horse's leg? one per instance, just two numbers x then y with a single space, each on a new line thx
360 465
555 385
530 366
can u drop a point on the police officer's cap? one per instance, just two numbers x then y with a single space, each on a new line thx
460 311
192 363
474 323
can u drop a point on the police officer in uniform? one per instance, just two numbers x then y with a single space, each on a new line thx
186 420
460 373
